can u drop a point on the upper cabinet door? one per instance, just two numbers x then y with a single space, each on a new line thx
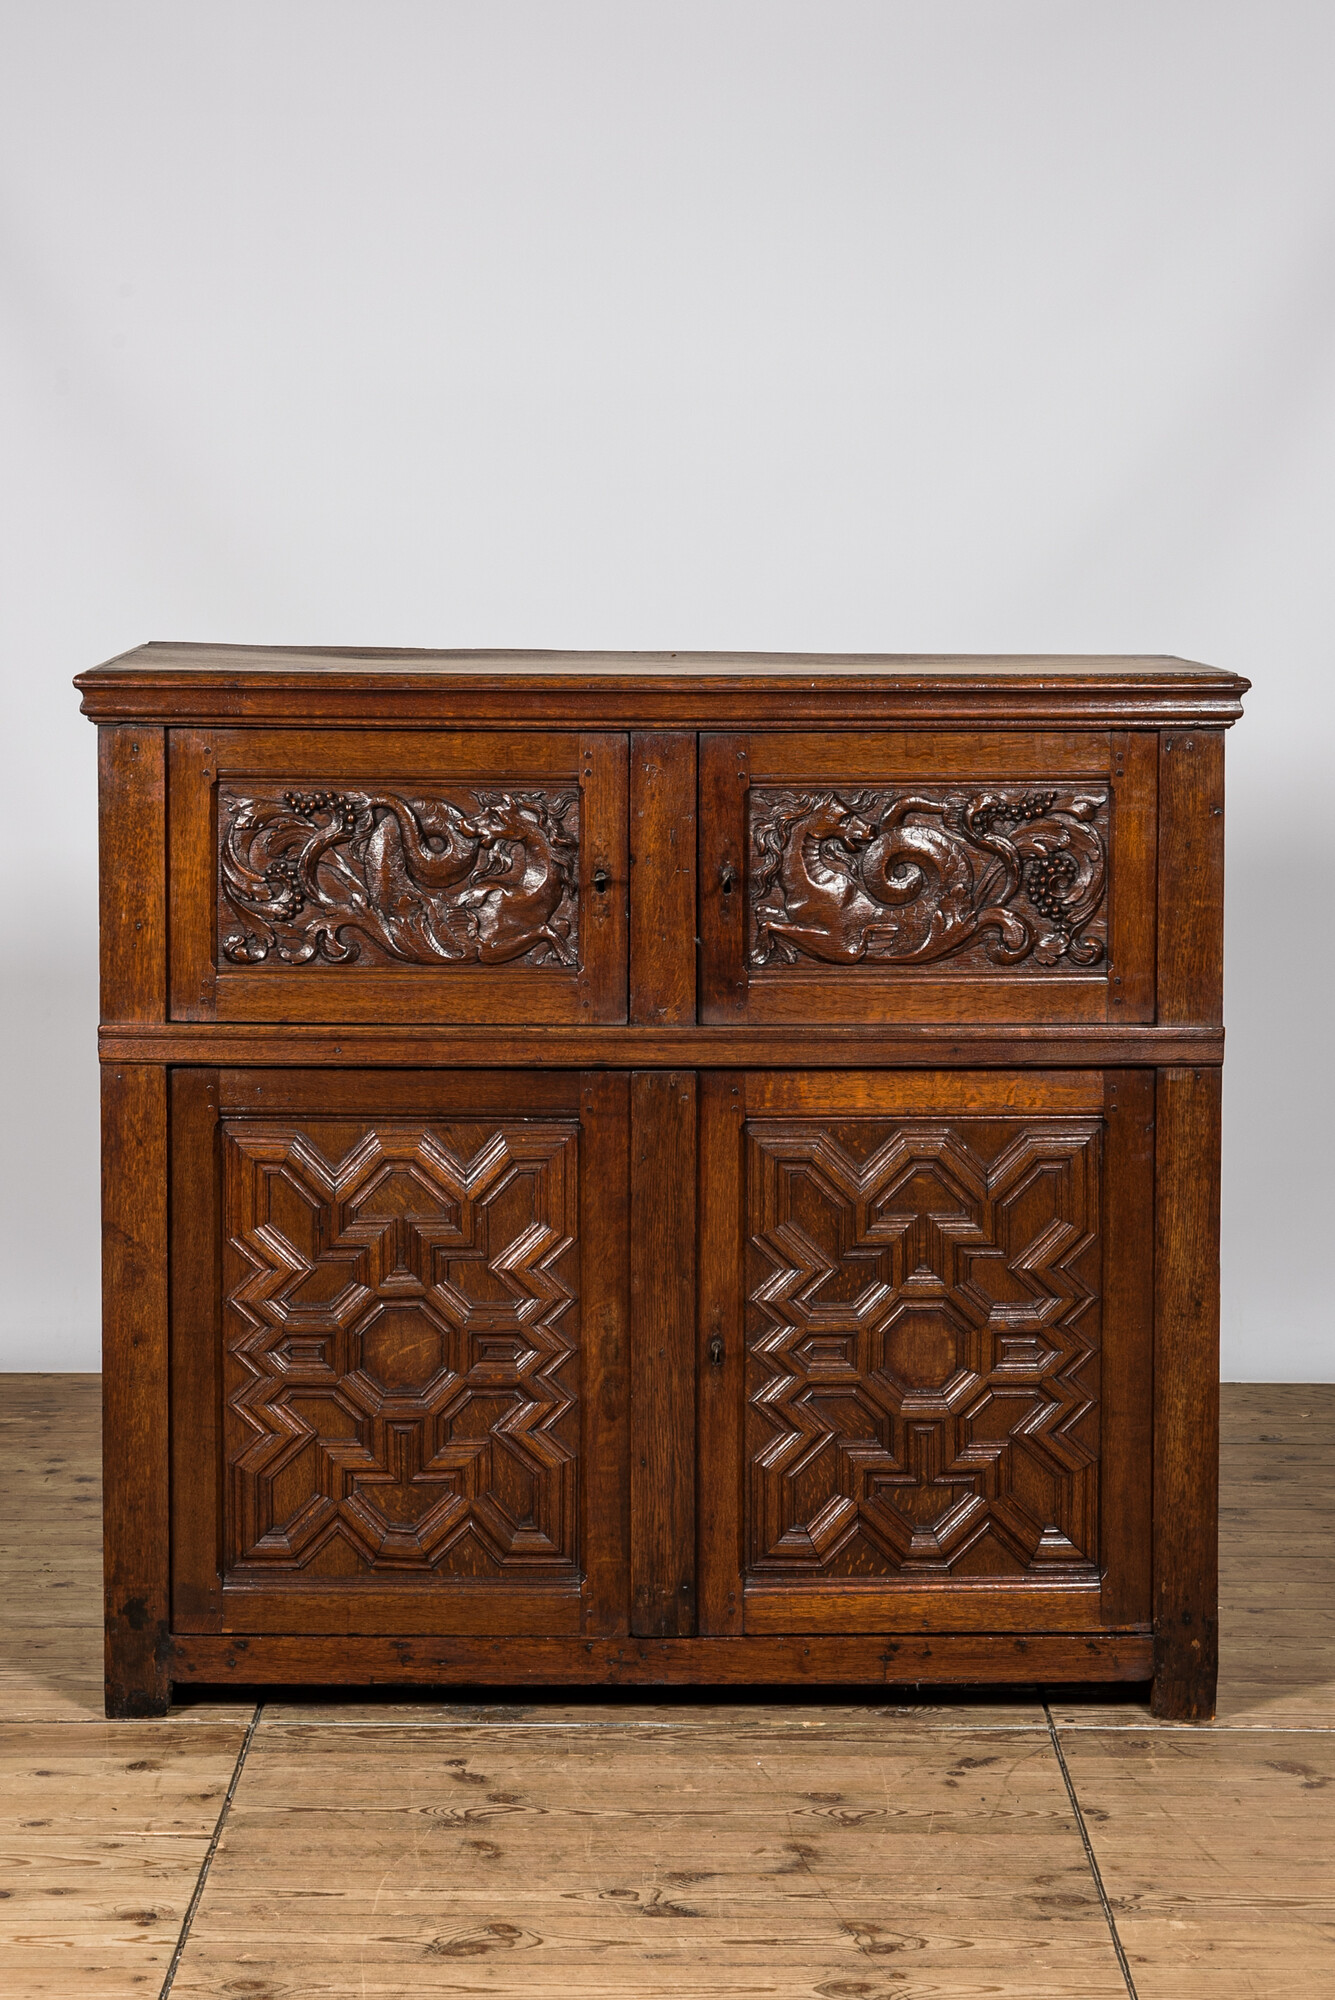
934 876
357 875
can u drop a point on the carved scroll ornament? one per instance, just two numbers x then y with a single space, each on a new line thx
344 877
999 876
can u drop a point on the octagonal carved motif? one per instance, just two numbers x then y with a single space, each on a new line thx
923 1348
401 1346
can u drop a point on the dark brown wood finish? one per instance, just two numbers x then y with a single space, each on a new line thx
132 834
944 1349
838 1045
662 1313
662 863
410 1412
135 1412
924 877
1191 877
1186 1393
960 1659
680 1168
346 876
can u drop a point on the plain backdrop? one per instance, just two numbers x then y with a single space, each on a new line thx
957 325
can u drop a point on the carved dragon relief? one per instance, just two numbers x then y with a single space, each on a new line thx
344 877
904 877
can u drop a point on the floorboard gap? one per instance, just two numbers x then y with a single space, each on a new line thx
1090 1855
207 1862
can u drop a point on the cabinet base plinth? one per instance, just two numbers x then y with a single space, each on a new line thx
951 1658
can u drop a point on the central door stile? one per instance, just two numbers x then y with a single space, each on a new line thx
662 1307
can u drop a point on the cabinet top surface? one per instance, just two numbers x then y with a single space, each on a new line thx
165 681
164 656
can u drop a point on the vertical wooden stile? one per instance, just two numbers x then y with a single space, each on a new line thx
662 1317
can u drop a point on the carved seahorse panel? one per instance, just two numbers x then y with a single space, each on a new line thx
344 877
1006 875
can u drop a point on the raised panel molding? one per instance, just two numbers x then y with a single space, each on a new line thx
1010 875
400 1348
923 1349
332 877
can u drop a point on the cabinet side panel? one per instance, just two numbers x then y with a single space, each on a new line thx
662 861
662 1303
132 838
1186 1393
1191 877
134 1387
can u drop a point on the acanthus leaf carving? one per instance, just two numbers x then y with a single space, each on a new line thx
888 876
338 877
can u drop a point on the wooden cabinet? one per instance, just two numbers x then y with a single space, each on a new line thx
660 1169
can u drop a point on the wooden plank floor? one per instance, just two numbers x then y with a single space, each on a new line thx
610 1848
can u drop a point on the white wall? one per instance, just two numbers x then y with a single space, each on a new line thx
971 325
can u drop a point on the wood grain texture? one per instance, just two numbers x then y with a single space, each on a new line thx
135 1414
1191 877
337 875
612 1863
1186 1393
103 1830
720 1355
1276 1567
966 1659
1133 930
385 689
1127 1370
408 953
1212 1844
51 1634
535 1046
1215 1851
422 1285
605 1387
662 866
923 1336
132 872
928 877
662 1321
724 779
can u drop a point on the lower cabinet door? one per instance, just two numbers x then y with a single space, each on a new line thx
398 1352
925 1351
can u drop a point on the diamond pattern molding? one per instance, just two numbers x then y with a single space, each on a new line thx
401 1347
923 1333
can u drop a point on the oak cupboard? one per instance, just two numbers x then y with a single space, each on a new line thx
654 1168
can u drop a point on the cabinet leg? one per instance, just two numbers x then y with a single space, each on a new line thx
134 1388
1186 1395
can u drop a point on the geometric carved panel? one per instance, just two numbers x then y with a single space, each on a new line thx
349 877
401 1347
1001 876
923 1348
